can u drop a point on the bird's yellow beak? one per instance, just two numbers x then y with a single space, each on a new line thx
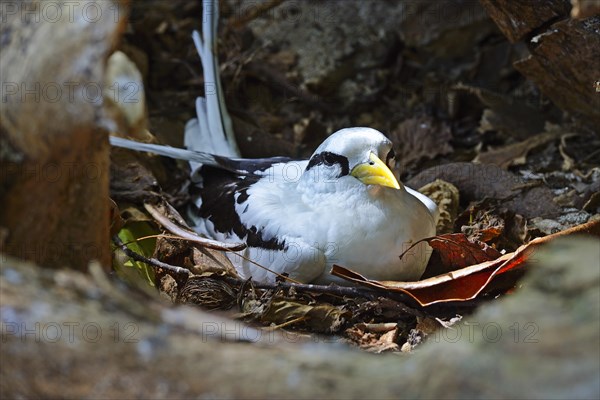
375 172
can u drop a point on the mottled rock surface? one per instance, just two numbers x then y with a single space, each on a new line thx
67 335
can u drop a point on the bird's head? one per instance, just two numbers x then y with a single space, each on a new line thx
357 152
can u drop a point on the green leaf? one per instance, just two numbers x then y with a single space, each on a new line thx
131 271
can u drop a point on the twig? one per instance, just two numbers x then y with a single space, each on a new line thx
285 324
153 262
342 291
191 236
527 185
349 291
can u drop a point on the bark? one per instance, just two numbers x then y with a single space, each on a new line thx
564 65
55 154
564 52
518 19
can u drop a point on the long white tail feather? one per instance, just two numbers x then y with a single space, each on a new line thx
197 134
216 134
202 113
167 151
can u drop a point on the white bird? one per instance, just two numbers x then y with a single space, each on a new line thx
342 206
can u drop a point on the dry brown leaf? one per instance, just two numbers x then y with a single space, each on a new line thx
457 251
568 161
515 154
421 138
493 225
374 338
322 317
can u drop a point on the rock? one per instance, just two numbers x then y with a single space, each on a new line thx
65 334
455 25
333 40
344 47
476 182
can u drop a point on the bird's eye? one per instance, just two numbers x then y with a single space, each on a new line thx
329 159
391 159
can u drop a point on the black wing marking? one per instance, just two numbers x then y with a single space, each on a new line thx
218 190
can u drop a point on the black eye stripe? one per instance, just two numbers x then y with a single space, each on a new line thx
329 159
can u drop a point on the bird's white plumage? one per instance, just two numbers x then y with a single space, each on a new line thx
327 219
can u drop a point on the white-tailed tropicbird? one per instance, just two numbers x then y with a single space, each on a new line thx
342 206
299 217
